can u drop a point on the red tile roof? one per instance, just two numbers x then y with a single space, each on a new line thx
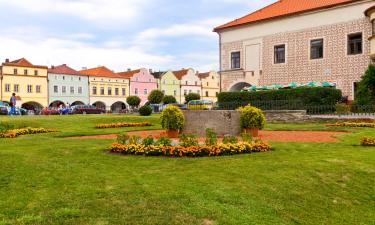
203 75
180 73
283 8
101 71
129 74
23 63
63 69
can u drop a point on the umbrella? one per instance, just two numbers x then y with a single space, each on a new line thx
293 85
328 84
253 88
312 84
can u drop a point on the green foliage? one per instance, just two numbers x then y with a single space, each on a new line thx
123 138
365 94
246 137
4 127
191 97
164 141
135 140
252 117
172 118
342 108
155 97
169 99
148 141
133 101
211 137
145 110
229 139
188 140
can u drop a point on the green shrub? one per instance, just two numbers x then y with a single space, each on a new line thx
123 138
155 97
133 101
229 139
252 117
211 137
145 110
169 99
135 140
246 137
342 108
172 118
188 140
191 97
164 141
148 141
4 127
365 94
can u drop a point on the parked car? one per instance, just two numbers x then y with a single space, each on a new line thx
50 111
181 106
87 109
200 105
3 110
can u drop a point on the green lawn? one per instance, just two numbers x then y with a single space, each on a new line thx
46 179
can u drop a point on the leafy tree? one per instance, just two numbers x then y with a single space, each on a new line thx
191 97
365 94
169 99
155 97
133 101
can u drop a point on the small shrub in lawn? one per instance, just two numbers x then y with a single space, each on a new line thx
229 139
246 137
252 117
148 141
211 137
145 110
188 140
123 138
164 141
135 140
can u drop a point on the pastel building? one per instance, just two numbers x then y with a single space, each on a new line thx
169 84
299 41
189 82
27 81
108 90
67 86
210 85
142 82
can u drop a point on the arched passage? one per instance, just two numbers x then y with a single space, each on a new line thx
34 106
240 86
99 105
77 103
57 104
118 106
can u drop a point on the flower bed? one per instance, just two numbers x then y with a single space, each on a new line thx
193 151
368 141
24 131
117 125
351 124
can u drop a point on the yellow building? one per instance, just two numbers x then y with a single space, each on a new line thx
108 90
210 85
27 81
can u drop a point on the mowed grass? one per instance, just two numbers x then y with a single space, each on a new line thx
47 179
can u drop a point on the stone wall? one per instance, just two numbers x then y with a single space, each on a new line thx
286 115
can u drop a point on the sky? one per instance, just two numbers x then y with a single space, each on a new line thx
118 34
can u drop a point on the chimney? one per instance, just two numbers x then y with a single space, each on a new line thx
84 68
52 67
6 60
64 64
150 70
129 69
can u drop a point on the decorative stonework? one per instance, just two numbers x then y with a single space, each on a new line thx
226 50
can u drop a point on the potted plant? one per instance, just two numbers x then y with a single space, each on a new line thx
173 120
252 120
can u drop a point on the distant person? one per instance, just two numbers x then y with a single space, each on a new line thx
13 102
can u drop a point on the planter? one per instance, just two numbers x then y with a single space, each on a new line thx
253 131
172 133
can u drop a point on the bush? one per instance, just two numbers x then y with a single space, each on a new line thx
148 141
155 97
145 110
246 137
188 140
169 99
191 97
298 99
164 141
172 118
342 108
365 94
211 137
229 139
252 117
133 101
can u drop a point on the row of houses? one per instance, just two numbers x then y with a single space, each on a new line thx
38 86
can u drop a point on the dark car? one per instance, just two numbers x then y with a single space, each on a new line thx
87 109
3 110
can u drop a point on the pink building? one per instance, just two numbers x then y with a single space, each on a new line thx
141 83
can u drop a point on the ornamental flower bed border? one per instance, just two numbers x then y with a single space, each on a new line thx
366 141
123 124
351 124
25 131
194 151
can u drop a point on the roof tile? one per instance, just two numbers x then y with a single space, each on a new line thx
63 69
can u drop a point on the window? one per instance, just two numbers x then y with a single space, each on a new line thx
123 91
174 93
72 90
355 44
145 91
185 92
279 54
136 91
207 84
174 82
94 90
63 89
35 72
109 91
29 88
55 89
190 91
117 91
63 77
16 88
102 91
186 82
15 71
206 93
24 72
316 49
79 78
196 83
38 89
7 87
79 90
236 60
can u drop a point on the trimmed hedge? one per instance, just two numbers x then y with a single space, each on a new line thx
299 98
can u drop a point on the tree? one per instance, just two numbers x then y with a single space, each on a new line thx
365 94
169 99
155 97
133 101
191 97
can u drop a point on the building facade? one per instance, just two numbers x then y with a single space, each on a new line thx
169 84
67 87
312 41
190 82
27 81
142 82
210 85
108 90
